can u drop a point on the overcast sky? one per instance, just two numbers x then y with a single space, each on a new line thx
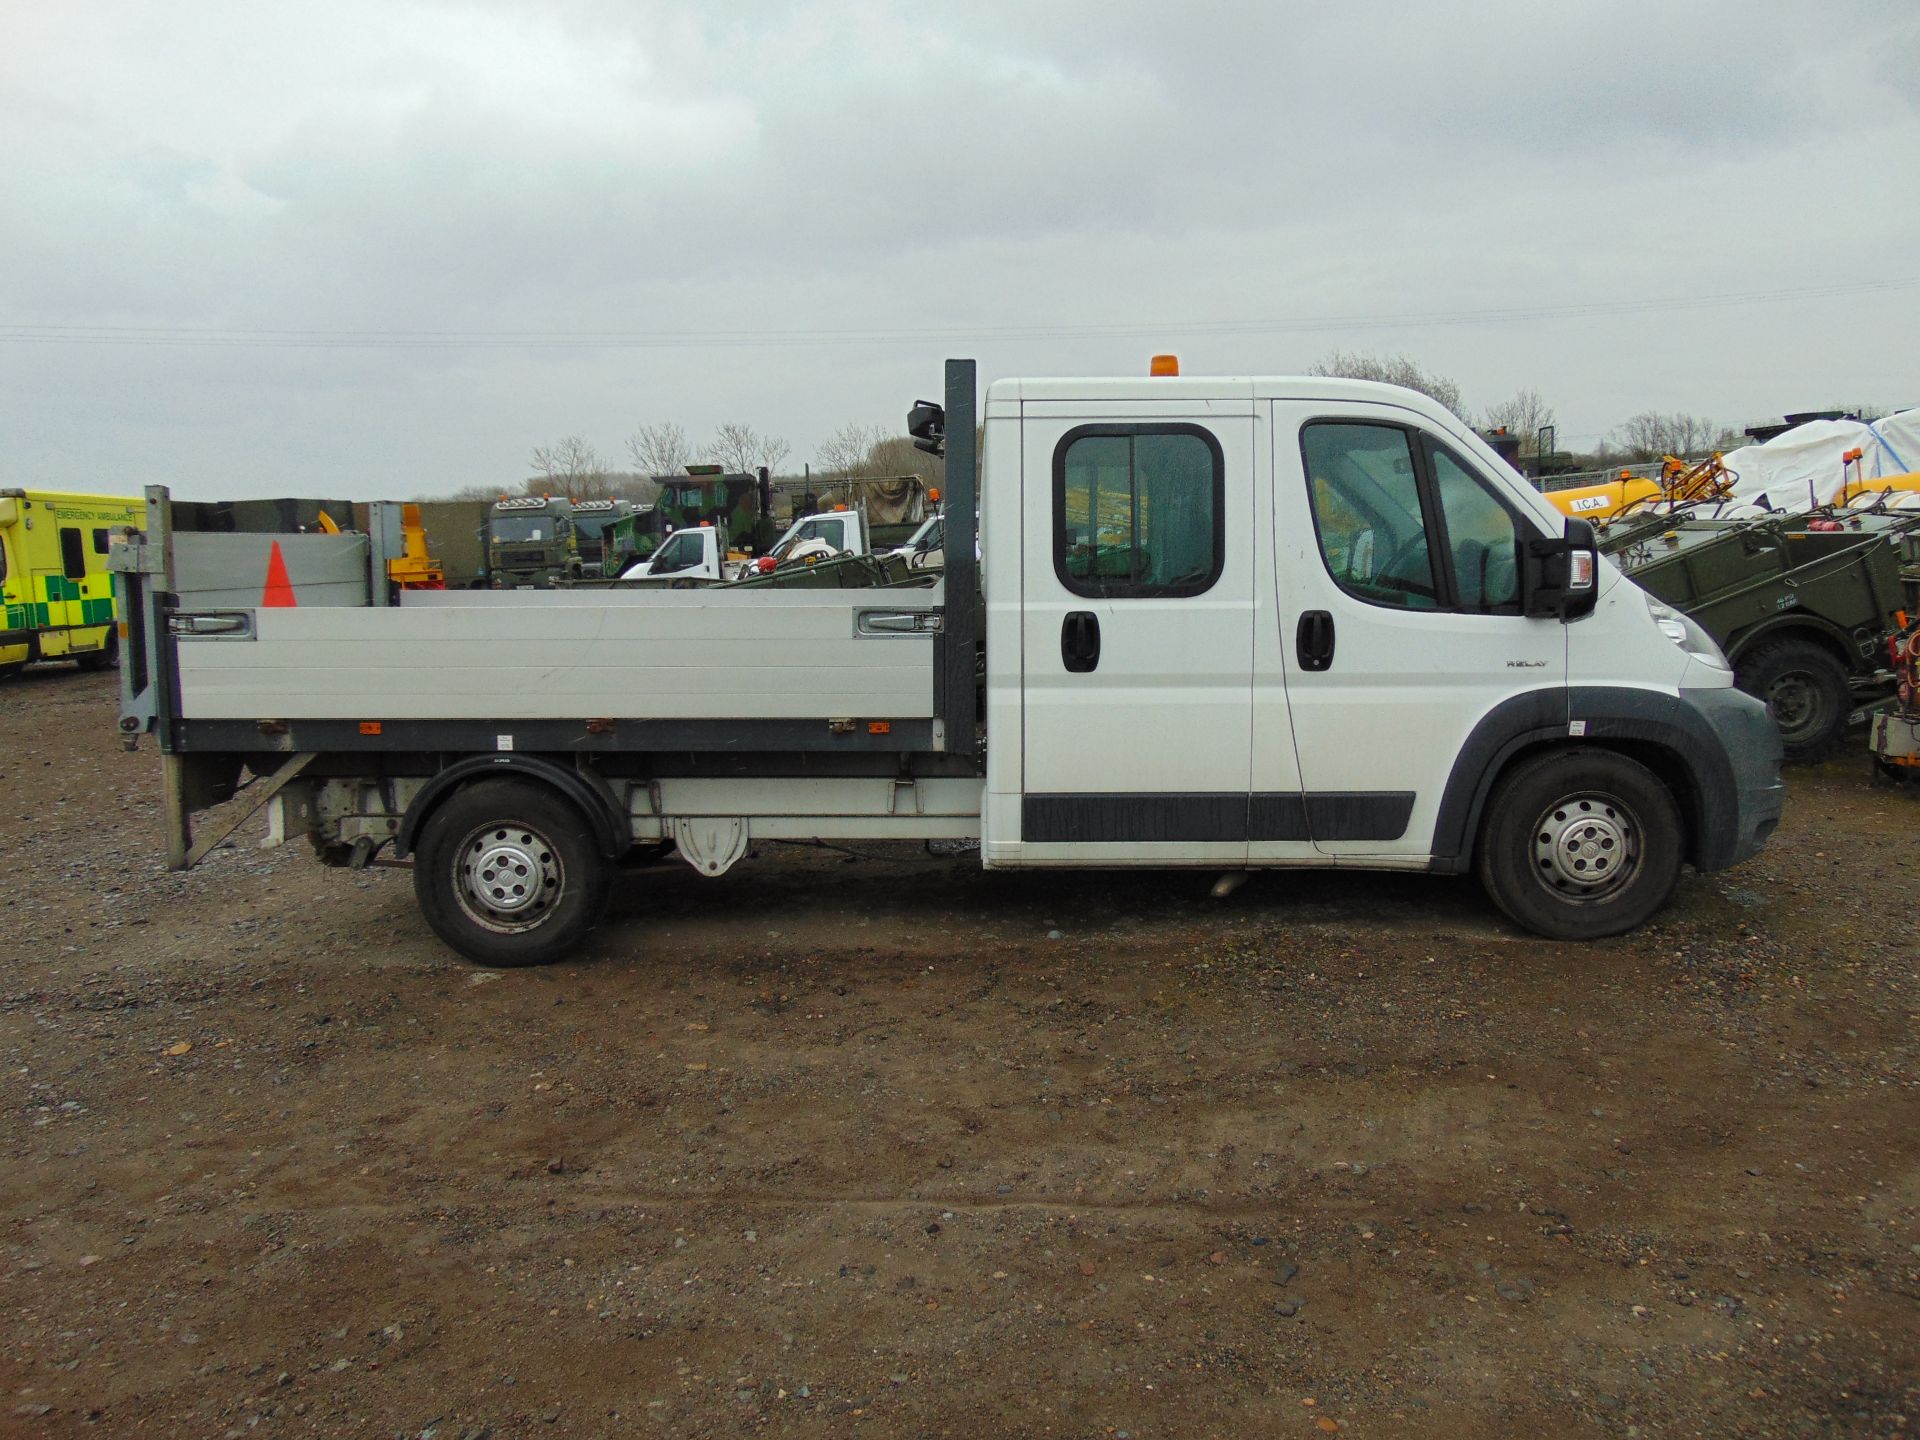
382 249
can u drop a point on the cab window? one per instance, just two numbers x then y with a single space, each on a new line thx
1403 522
1482 542
1365 492
1138 511
681 552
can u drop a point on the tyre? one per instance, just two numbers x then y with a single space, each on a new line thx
1806 689
1577 844
508 873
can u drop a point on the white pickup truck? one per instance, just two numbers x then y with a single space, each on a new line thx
1230 623
692 553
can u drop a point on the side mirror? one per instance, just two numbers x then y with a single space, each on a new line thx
1561 578
927 424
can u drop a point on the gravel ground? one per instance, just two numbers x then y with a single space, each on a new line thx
878 1144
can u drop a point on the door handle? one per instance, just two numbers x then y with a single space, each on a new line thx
1080 641
1313 640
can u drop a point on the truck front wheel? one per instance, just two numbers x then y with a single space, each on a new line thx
507 873
1580 844
1806 689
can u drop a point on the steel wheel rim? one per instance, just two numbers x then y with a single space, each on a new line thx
1797 702
1586 847
508 877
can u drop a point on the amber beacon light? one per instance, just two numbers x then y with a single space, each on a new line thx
1164 365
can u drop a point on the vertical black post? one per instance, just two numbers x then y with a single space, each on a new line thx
961 503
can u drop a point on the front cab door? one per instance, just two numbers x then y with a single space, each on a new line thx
1399 573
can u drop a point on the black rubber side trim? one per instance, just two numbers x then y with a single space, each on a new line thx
1357 815
1137 817
1280 816
1225 816
610 827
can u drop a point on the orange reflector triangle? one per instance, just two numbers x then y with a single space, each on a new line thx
278 593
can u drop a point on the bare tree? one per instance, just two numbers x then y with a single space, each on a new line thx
898 455
845 452
467 492
740 447
572 464
773 452
1392 370
1651 435
1525 415
661 449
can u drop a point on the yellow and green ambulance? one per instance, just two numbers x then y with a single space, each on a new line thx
54 585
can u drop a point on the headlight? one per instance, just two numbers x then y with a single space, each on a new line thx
1685 632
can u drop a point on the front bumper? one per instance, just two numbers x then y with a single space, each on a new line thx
1736 823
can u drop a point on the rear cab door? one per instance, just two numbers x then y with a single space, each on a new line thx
1137 563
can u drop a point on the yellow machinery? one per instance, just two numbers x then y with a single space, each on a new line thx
1855 487
58 596
414 568
1679 484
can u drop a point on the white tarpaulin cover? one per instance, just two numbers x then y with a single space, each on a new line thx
1802 468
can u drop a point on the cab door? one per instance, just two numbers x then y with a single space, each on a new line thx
1137 630
1399 587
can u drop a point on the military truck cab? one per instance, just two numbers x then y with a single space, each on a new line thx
593 526
531 543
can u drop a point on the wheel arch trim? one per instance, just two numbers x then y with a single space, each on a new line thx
1644 725
610 829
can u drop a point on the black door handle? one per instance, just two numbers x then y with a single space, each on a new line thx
1313 640
1080 641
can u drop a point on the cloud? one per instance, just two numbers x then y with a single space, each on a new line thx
388 194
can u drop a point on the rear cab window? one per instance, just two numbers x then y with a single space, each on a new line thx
1138 511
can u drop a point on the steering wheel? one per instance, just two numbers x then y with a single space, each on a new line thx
1390 577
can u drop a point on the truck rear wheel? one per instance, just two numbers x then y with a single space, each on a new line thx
1806 689
508 873
1577 844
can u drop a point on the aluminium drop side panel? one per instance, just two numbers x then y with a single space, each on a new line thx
220 570
670 654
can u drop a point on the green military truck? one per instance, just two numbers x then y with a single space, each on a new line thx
531 543
629 540
741 504
1801 610
593 526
